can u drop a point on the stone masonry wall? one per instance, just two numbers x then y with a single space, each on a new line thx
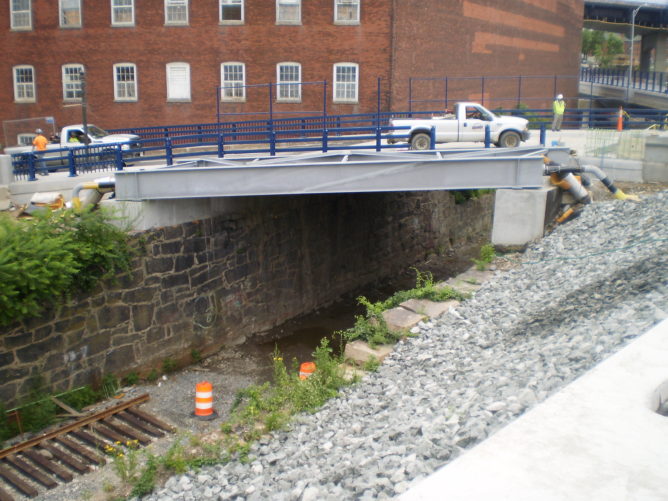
215 282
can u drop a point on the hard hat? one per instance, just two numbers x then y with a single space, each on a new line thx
38 131
560 96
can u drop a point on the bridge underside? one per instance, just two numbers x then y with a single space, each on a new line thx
340 172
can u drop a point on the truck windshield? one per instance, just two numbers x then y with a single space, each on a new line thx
96 132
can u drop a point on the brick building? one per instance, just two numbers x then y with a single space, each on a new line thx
155 62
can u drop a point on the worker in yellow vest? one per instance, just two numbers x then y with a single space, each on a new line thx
558 108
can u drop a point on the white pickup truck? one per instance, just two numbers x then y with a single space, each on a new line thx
73 136
466 124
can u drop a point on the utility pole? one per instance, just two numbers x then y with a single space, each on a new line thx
84 103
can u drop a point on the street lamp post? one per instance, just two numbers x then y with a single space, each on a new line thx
633 36
84 102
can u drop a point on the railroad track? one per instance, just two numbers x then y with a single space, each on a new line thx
55 457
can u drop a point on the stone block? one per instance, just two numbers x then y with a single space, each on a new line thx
350 372
655 172
399 319
429 308
360 352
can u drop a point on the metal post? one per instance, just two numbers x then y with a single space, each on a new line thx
221 145
487 136
591 97
432 138
410 96
378 138
118 158
218 107
70 163
482 91
31 167
633 35
271 106
378 104
324 140
84 103
519 91
542 134
168 151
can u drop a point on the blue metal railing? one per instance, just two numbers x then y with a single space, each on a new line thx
290 136
649 81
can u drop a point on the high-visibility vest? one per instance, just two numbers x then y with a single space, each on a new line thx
558 107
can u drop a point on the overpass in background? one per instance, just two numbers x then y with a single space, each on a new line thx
646 18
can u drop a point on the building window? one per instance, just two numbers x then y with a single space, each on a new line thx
176 12
72 82
178 82
24 84
25 139
231 11
70 13
122 12
347 11
21 14
125 82
345 82
288 12
289 76
232 77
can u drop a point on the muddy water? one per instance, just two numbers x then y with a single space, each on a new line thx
297 338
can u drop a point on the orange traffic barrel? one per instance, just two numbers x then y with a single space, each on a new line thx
306 370
204 401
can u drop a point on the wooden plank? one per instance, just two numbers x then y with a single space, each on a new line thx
4 495
82 451
30 471
141 424
84 436
150 419
118 426
48 465
63 405
17 482
107 432
65 458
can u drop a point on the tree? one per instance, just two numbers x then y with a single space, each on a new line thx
604 46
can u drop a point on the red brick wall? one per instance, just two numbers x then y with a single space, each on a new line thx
316 44
428 37
470 38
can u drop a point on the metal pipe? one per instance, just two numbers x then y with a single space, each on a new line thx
100 188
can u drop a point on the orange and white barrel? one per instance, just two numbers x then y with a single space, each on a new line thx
306 370
204 400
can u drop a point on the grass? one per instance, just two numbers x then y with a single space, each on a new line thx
372 328
487 255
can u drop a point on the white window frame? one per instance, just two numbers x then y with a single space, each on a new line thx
117 83
61 14
71 85
339 4
230 3
337 87
287 3
174 94
236 95
25 139
21 89
177 3
285 88
117 5
15 15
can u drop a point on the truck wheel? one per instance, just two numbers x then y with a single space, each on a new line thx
420 141
510 139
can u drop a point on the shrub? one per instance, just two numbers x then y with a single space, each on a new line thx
487 255
54 255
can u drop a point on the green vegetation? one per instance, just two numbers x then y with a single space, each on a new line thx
39 410
487 255
462 196
371 326
169 365
131 379
45 259
605 47
372 364
195 355
152 376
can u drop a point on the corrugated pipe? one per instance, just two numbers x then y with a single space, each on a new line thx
99 188
564 171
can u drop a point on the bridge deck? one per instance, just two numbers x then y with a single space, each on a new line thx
340 172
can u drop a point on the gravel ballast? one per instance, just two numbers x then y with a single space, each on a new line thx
571 300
